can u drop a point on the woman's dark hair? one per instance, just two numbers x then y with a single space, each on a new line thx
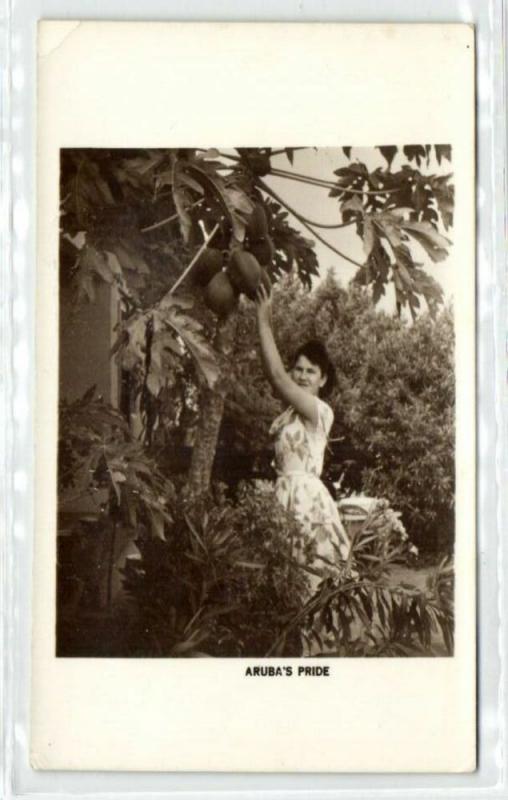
317 354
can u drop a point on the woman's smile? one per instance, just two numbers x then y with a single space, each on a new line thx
307 375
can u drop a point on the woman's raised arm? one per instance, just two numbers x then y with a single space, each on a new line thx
303 402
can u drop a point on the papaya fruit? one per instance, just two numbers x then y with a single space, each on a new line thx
257 226
266 281
219 295
244 272
208 264
263 249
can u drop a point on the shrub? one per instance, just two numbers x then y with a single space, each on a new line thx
381 543
361 613
223 583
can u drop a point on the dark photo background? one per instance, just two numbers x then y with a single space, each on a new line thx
170 542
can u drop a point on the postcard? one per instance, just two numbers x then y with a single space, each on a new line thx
254 546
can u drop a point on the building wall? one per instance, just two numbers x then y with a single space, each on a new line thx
86 336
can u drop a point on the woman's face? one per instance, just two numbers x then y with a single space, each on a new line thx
308 375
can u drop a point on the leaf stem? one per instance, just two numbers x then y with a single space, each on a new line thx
159 224
193 261
302 220
297 176
333 226
167 220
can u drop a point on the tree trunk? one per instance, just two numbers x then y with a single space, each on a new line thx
211 410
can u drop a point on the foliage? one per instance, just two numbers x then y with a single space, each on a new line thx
364 614
408 206
222 583
398 407
98 458
365 619
137 219
381 543
292 250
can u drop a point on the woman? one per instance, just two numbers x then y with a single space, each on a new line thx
300 435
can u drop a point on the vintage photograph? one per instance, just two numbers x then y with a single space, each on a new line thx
256 426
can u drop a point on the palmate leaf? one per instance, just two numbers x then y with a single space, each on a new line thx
191 333
409 279
351 172
172 330
388 152
388 226
416 153
105 455
426 285
132 338
94 265
354 176
352 208
131 259
428 197
435 245
444 195
291 248
376 270
91 265
443 151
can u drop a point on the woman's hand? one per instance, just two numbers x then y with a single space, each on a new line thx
264 305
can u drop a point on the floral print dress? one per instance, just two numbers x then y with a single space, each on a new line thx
299 454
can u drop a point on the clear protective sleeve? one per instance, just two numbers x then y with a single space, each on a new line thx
18 154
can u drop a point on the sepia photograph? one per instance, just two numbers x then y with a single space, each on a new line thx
256 402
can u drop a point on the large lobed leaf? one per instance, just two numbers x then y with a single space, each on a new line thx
153 341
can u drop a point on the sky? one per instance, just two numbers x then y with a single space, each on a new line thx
314 203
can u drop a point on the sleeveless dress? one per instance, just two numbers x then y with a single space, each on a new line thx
299 454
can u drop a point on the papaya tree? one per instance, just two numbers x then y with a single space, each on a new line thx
185 236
